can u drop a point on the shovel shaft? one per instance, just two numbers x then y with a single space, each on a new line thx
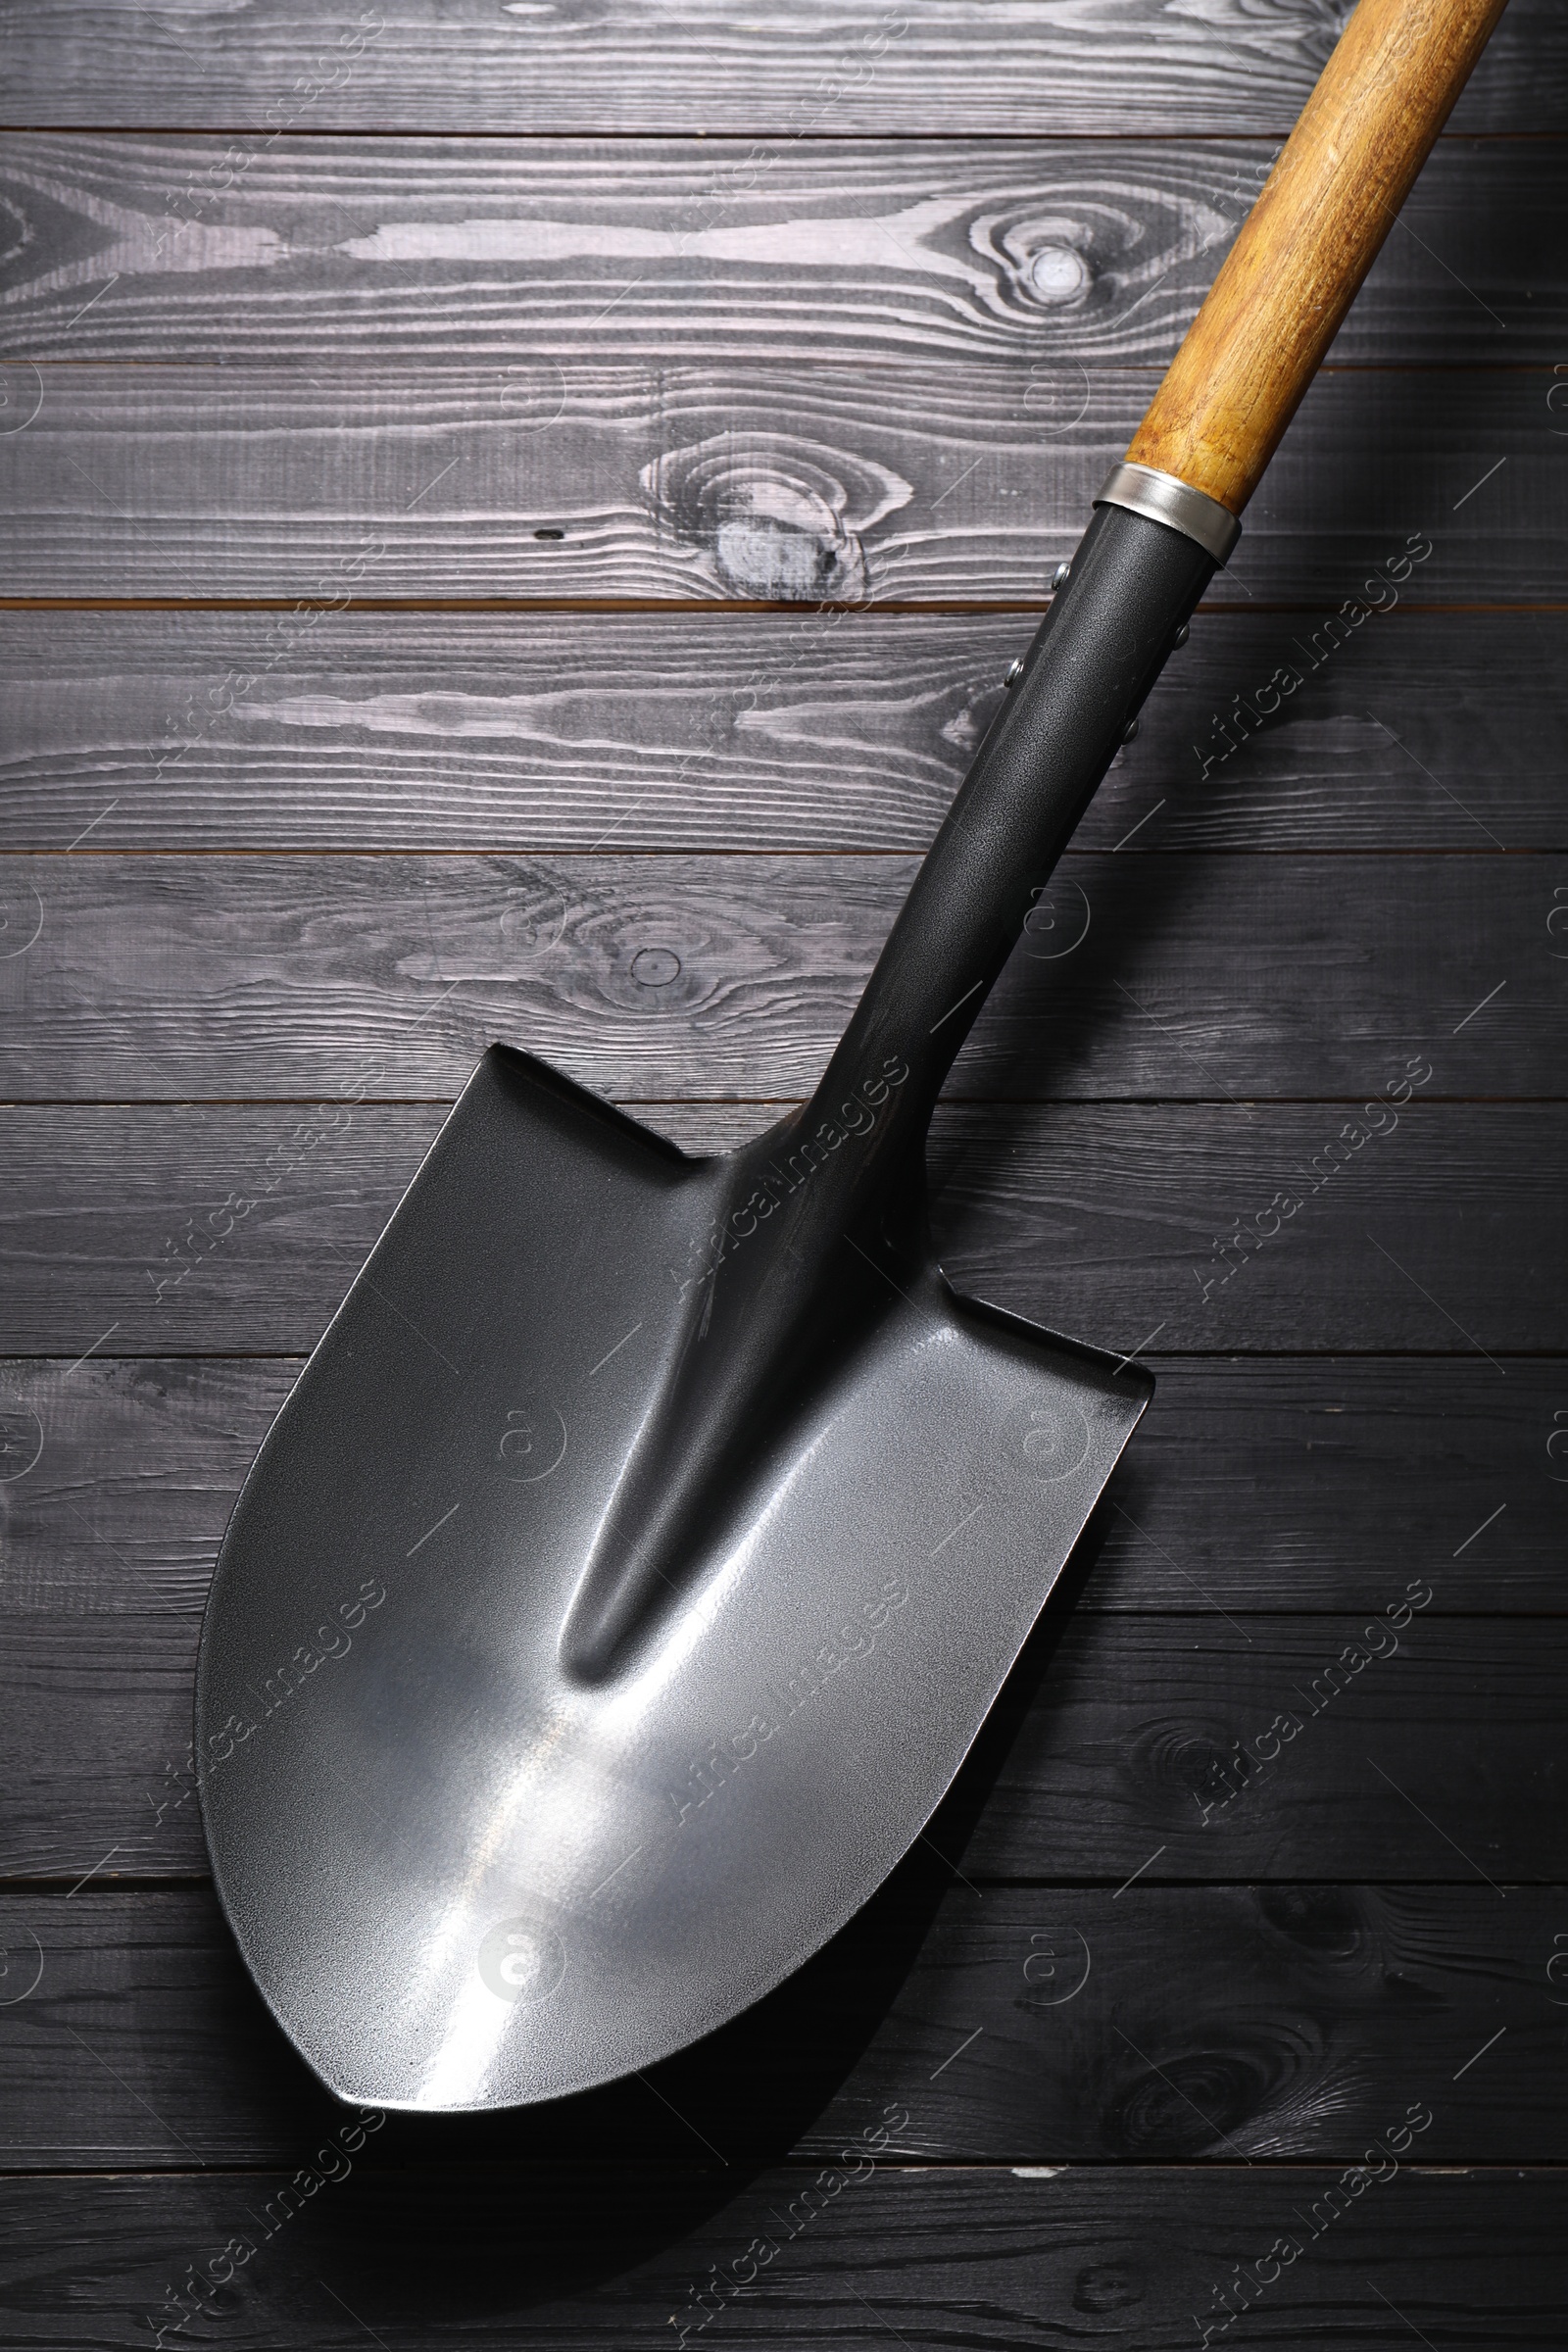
1287 282
984 887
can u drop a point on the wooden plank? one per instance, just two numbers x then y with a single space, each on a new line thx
149 1452
656 977
1069 254
1262 1485
1258 1484
570 2258
1104 1220
483 731
1313 2014
937 66
1124 1743
1165 1745
765 483
1117 1221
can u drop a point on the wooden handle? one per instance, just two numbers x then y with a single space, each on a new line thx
1312 237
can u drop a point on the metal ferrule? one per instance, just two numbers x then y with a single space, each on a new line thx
1163 498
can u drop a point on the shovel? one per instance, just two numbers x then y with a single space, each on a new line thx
644 1544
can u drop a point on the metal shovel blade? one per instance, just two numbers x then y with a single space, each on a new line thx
487 1831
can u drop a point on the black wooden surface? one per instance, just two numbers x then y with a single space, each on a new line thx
905 482
515 520
1098 67
895 249
430 731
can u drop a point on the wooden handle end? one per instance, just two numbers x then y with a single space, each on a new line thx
1313 234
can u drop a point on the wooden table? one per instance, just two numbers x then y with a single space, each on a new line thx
516 517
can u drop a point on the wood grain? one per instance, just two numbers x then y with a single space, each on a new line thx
1315 2014
1253 1486
1321 221
557 733
1138 1750
1123 1743
649 977
670 65
568 2257
1106 1221
799 485
1100 1220
1064 256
